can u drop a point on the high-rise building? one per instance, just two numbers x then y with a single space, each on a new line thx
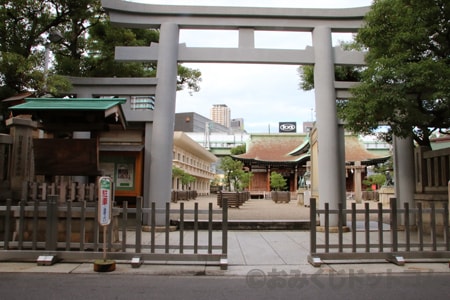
237 124
193 122
220 113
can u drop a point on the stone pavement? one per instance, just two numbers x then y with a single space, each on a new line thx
254 209
251 252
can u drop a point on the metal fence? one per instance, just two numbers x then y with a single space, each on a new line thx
393 234
70 231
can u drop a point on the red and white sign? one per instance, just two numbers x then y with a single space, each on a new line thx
104 200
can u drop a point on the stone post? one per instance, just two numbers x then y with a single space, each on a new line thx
5 163
404 180
22 159
357 181
164 119
329 159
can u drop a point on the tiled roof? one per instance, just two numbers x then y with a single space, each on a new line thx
356 151
282 147
273 147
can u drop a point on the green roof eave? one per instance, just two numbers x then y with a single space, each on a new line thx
299 159
33 104
304 147
109 106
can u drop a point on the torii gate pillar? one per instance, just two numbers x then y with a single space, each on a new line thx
163 122
329 159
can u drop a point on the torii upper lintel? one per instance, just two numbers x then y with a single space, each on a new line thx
131 14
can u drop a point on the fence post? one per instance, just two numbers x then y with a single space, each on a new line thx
52 222
340 227
353 227
327 227
181 229
394 226
22 204
312 217
313 259
395 258
7 224
225 229
167 227
446 227
224 259
210 227
447 220
138 224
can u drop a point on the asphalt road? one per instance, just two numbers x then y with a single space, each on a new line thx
257 286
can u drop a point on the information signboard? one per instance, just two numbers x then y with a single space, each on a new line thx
104 200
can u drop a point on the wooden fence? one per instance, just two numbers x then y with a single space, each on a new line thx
370 237
70 231
432 173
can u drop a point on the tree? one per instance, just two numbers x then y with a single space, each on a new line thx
406 84
24 28
277 181
341 73
177 172
377 179
84 46
99 44
241 149
185 178
235 176
245 180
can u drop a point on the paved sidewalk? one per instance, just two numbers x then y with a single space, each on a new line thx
256 253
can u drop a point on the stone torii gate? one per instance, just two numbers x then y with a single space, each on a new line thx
321 23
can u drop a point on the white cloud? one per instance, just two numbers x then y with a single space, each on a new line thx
261 94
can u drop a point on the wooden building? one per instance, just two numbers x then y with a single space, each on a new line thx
290 155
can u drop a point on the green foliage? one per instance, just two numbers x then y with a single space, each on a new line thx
24 26
103 38
241 149
277 182
245 180
177 172
341 73
188 78
378 179
235 176
185 178
406 84
306 74
81 39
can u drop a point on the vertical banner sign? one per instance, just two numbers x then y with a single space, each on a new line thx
104 200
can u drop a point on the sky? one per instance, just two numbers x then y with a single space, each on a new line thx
263 95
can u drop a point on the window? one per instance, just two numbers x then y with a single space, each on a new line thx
142 102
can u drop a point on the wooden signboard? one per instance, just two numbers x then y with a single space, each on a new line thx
66 157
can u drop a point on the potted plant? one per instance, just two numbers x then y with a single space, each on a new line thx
278 185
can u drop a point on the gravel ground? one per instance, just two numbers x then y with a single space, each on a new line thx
261 209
